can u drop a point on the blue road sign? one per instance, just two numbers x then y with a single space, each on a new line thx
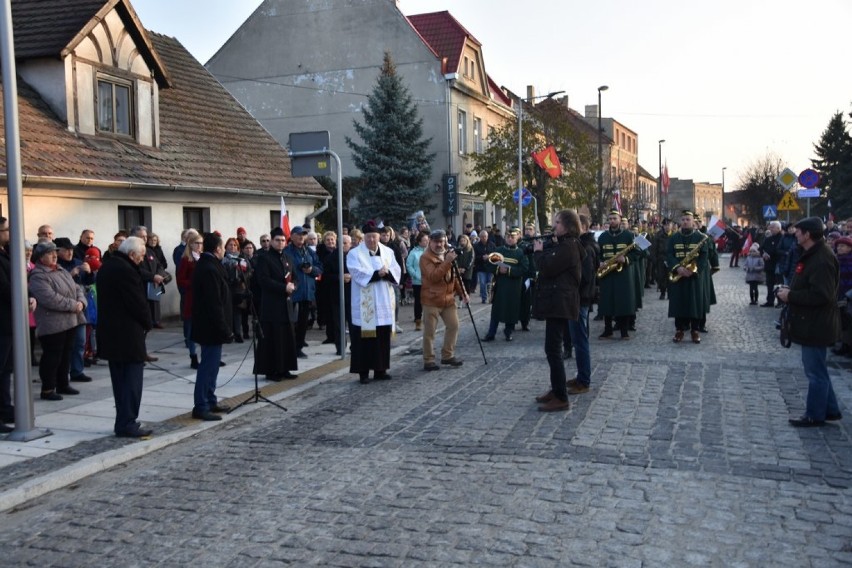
809 178
770 212
527 197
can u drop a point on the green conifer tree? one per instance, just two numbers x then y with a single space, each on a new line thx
394 158
834 164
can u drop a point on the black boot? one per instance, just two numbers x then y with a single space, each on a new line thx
193 361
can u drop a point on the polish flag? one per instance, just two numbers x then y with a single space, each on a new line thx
746 245
666 181
716 227
285 219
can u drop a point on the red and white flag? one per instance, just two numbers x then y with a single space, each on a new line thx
616 200
716 227
746 245
665 179
285 219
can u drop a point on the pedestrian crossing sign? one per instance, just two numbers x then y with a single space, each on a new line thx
770 212
788 203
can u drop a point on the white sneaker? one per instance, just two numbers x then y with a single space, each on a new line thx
398 329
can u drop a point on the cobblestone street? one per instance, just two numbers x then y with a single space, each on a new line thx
680 455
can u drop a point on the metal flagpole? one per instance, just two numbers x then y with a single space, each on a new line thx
24 413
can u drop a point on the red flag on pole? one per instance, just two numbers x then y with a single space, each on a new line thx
548 161
285 219
616 200
665 179
746 245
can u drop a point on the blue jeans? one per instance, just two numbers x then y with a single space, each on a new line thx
75 361
821 399
483 279
187 332
205 379
579 330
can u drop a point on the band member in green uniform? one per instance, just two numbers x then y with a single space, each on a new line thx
617 290
527 292
661 251
688 298
509 275
638 269
713 260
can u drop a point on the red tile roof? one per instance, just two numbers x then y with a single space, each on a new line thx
444 34
207 139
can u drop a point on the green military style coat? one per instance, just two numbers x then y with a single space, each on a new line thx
688 298
713 260
507 287
618 290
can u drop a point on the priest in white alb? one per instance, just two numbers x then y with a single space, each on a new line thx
374 271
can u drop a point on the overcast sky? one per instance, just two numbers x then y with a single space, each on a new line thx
722 82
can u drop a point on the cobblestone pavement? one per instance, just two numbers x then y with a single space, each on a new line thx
680 455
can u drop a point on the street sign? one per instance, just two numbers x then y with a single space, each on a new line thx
787 178
450 186
803 193
788 203
527 197
309 166
770 212
809 178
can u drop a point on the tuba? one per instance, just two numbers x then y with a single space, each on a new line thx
688 261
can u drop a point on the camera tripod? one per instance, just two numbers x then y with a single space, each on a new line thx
457 276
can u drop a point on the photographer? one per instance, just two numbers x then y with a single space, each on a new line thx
814 321
439 286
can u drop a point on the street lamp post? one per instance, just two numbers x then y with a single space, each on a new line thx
521 153
600 148
723 193
660 180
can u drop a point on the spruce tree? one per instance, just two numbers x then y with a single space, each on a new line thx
834 164
394 158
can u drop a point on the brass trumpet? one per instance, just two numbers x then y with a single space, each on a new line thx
497 258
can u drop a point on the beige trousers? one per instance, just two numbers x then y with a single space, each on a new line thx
450 317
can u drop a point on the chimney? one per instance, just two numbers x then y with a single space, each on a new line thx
530 92
563 100
591 111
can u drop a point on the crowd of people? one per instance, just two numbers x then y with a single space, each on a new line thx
86 306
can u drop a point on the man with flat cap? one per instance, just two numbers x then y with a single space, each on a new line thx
618 301
509 275
374 271
689 301
814 318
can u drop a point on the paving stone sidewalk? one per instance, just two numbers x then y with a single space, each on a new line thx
680 455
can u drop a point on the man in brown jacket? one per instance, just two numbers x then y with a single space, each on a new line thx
437 294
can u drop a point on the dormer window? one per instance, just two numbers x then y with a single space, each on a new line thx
115 107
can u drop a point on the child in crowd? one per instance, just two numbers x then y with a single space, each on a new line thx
755 276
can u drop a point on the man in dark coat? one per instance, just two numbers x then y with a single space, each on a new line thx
558 300
123 320
814 318
769 250
579 329
211 324
661 249
689 301
276 349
